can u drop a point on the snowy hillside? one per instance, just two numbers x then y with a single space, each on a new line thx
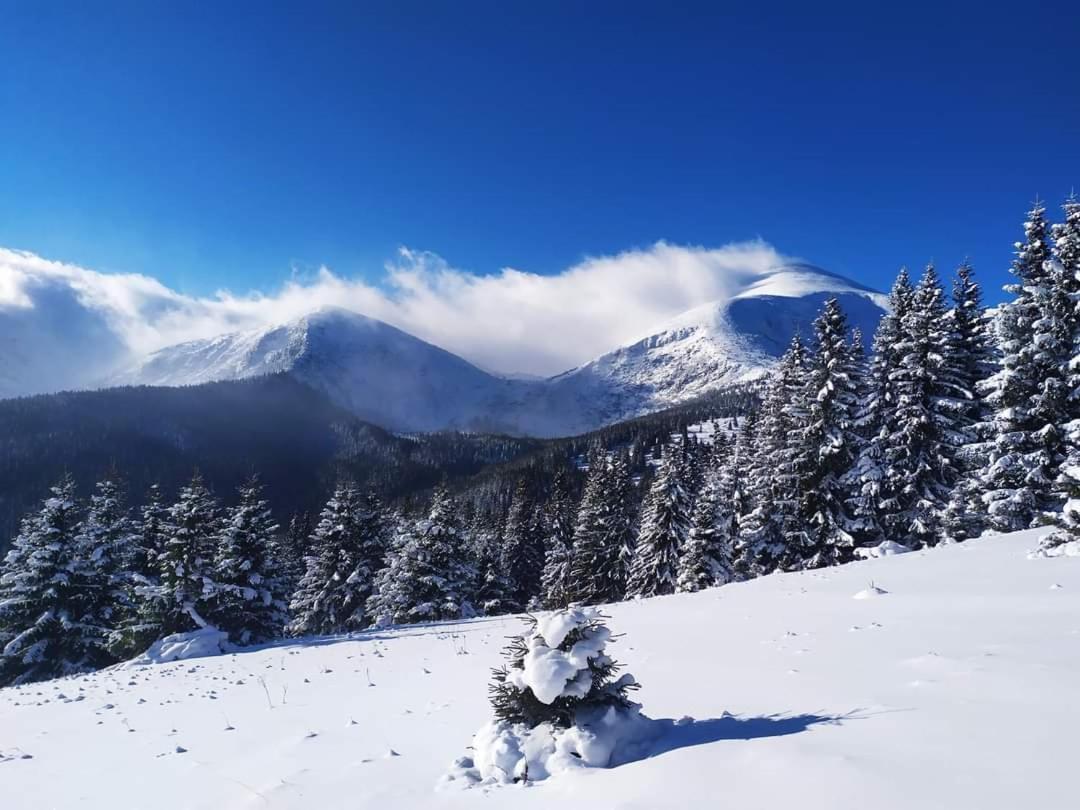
375 370
397 381
721 343
950 683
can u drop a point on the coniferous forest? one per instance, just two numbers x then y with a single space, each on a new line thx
957 422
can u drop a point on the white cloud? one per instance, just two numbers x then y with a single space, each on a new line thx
511 321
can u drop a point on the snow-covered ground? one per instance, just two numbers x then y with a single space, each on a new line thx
953 684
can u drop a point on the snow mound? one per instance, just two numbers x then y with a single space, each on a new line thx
1070 549
200 643
505 753
886 549
870 593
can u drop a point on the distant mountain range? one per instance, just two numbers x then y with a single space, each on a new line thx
391 378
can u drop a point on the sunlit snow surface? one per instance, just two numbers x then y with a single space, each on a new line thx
955 689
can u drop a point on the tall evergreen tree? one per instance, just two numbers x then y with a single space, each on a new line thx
493 593
865 480
594 576
1028 393
1065 264
965 514
188 558
100 569
828 444
763 533
40 603
249 591
429 578
620 514
919 469
555 580
523 546
706 558
142 622
321 604
665 524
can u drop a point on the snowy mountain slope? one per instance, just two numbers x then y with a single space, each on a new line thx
375 370
711 346
393 379
953 689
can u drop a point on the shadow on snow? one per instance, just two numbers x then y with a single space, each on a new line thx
675 734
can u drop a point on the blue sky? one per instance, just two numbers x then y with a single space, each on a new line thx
222 147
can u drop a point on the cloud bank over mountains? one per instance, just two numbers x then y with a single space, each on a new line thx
512 321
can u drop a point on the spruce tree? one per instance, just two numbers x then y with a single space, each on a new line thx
865 480
429 577
1028 394
665 523
555 579
919 467
1065 266
706 557
764 532
826 448
493 593
591 692
593 572
188 558
965 513
101 568
249 593
318 605
523 546
371 536
41 605
620 513
142 623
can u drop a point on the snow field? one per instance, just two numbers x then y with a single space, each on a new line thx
953 688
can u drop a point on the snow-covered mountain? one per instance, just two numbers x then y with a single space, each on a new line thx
952 686
379 372
396 380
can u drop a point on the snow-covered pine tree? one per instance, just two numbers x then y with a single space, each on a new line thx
965 514
865 479
528 695
1028 393
429 578
294 548
523 546
665 523
706 557
249 593
1065 265
40 603
826 448
558 549
620 513
188 558
318 603
104 549
371 534
141 625
593 574
762 543
919 471
493 591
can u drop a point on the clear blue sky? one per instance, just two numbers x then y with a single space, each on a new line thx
220 144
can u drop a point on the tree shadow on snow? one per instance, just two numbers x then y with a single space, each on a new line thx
685 733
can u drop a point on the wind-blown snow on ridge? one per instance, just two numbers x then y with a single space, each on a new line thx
956 689
396 380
